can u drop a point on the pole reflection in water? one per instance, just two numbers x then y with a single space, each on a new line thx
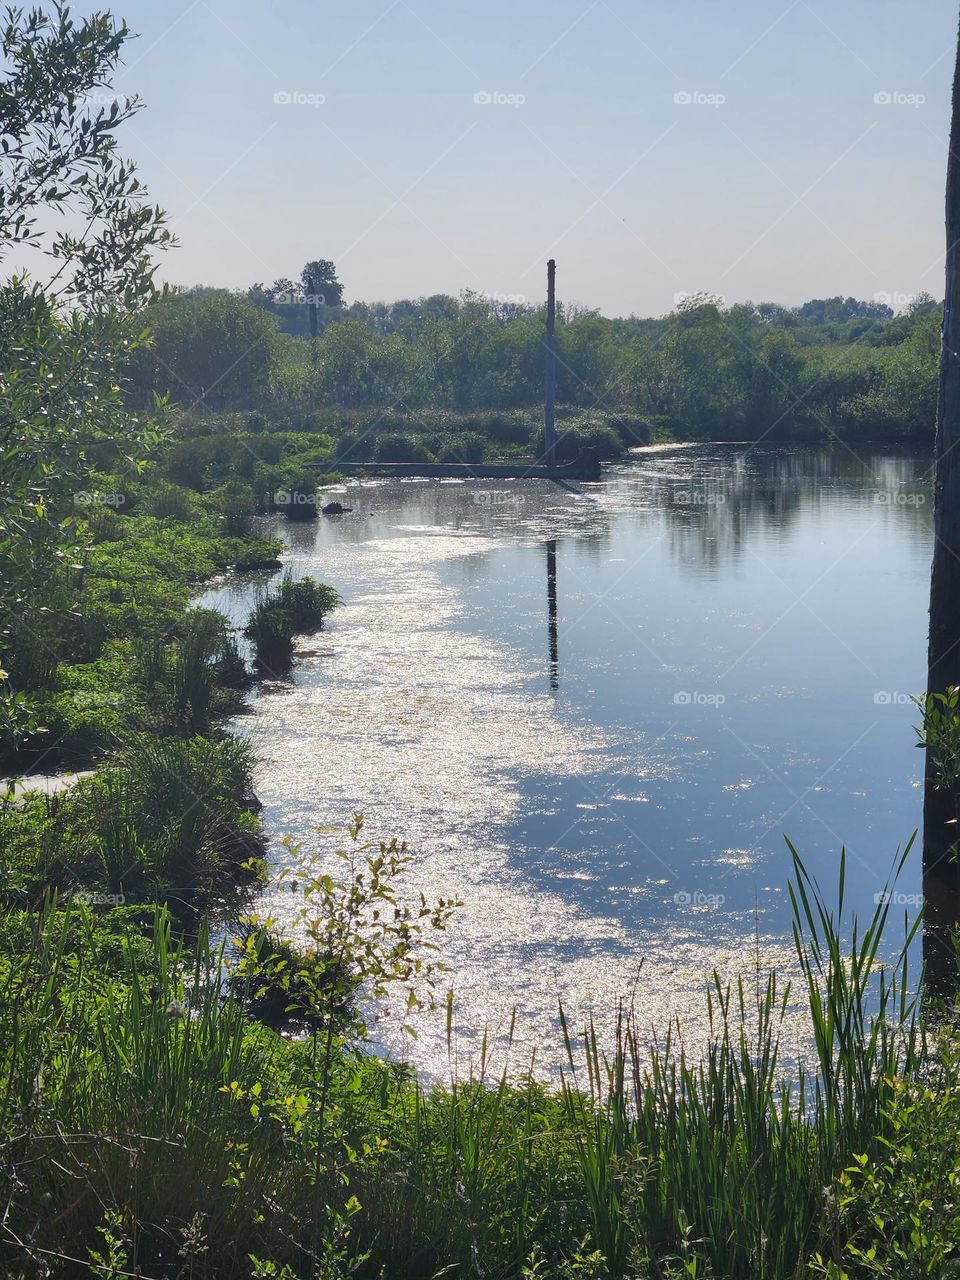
552 613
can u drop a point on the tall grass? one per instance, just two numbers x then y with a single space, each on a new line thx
294 605
725 1157
133 1083
165 819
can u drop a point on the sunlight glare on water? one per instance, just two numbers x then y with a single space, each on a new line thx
739 631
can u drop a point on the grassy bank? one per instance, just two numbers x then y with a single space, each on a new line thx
151 1126
117 671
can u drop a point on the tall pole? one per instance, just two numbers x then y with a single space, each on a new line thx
941 877
549 424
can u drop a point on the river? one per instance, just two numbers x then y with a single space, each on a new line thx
593 712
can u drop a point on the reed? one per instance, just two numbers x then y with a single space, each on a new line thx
136 1086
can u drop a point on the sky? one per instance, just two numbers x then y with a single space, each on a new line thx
755 149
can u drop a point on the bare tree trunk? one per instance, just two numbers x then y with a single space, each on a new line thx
941 875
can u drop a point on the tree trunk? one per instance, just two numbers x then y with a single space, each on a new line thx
941 882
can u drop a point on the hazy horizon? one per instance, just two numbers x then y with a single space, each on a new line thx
760 154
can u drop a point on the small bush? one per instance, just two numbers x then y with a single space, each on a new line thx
295 605
401 448
468 446
237 507
169 502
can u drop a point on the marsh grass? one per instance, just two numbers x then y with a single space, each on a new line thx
294 606
135 1083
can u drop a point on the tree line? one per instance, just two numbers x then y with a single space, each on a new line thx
703 370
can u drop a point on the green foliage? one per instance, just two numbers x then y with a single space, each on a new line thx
381 379
67 335
209 349
401 448
139 1087
939 734
164 818
896 1211
294 605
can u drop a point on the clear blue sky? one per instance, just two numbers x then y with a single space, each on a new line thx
798 184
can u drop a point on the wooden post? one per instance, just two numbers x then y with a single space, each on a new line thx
941 882
550 429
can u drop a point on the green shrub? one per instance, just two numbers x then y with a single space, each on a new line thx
164 818
236 507
169 502
401 448
467 446
294 605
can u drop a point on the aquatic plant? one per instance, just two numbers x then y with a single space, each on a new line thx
293 606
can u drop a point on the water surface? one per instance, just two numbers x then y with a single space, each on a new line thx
738 632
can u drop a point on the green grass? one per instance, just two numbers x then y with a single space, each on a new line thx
164 1104
164 819
294 606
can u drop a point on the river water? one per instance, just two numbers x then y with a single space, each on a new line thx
736 635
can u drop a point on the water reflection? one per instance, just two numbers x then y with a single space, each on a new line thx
552 613
742 628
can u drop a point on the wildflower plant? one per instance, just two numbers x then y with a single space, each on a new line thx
354 942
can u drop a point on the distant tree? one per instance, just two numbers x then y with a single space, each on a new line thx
321 288
211 350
